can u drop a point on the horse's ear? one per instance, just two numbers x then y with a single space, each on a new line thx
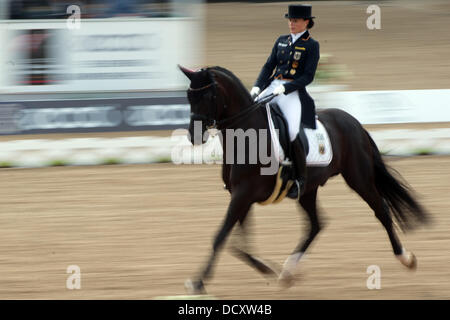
187 72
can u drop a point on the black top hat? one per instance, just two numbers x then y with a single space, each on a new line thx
297 11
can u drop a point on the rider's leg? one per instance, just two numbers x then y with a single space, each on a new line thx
299 165
292 111
291 108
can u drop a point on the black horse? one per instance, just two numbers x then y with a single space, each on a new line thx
220 100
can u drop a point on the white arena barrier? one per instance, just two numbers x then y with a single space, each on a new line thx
178 149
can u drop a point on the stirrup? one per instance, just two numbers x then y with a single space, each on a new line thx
296 190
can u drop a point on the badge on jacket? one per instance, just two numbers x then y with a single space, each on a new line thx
297 55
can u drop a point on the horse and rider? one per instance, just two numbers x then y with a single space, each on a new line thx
219 100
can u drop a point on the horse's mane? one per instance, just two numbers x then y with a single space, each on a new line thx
233 78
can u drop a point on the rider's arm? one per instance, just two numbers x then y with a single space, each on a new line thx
268 67
312 59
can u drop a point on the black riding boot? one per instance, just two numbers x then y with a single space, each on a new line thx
298 158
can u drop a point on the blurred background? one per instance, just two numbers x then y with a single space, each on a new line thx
88 85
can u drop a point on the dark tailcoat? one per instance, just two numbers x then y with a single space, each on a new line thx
297 61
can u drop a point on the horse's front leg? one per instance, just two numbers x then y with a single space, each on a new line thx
226 171
239 207
241 249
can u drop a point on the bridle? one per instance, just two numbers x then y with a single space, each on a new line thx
212 123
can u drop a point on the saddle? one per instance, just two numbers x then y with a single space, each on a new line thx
280 123
316 142
284 176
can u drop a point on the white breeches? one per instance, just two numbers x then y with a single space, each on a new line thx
290 106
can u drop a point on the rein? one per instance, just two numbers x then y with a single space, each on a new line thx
243 113
220 125
235 118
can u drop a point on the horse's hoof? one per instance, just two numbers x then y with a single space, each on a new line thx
413 262
286 279
194 286
408 259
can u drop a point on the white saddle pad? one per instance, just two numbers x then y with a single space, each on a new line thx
320 152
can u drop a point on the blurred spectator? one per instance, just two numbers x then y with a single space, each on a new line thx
51 9
121 7
29 9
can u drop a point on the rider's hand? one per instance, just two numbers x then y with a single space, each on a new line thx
254 92
279 90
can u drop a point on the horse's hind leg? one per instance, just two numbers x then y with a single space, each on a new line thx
239 206
241 248
363 183
308 202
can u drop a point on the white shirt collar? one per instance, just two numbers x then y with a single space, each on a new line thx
296 36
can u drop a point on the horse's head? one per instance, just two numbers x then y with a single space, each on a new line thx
204 96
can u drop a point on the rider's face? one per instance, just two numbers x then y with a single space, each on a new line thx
297 25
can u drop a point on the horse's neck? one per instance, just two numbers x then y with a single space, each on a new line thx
236 99
256 120
250 125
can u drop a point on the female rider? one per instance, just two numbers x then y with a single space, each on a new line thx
289 69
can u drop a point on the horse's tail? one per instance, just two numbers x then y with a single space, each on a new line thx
406 211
